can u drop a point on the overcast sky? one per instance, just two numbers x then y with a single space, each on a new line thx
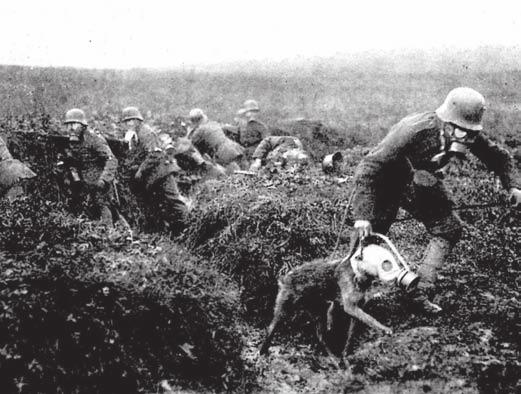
151 33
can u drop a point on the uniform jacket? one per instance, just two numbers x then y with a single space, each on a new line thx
252 133
274 146
248 133
410 145
93 159
156 167
209 138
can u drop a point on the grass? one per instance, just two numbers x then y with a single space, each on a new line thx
244 233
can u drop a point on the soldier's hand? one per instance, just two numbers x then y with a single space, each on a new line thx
515 197
100 183
256 165
363 228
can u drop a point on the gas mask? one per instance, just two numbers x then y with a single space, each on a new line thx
379 262
460 139
74 130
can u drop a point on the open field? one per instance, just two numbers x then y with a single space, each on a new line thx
115 315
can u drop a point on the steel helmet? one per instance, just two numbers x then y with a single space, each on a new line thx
463 107
75 115
332 162
196 114
376 261
130 113
249 105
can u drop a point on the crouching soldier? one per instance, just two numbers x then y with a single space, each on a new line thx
165 207
136 131
12 173
93 165
402 171
280 151
153 171
209 138
249 131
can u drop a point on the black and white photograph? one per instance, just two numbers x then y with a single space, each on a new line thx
260 196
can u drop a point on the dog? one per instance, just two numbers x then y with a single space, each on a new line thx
317 287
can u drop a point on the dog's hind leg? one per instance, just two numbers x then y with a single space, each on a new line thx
321 330
283 305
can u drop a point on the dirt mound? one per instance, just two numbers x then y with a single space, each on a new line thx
257 228
87 310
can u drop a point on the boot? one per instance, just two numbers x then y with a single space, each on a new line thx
106 217
435 254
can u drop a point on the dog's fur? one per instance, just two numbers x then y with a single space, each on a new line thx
316 287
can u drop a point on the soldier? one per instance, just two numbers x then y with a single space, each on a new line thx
12 173
402 171
209 138
279 150
136 130
248 131
95 164
165 207
154 171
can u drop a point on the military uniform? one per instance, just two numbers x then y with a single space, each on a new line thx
209 138
248 133
271 149
155 183
94 162
401 171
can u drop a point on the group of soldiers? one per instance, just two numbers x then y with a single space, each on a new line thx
155 159
403 170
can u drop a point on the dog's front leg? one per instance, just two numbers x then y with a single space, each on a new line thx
355 311
351 297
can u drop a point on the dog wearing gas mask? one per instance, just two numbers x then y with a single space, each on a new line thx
317 287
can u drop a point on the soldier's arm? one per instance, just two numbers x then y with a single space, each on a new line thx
497 159
262 150
231 131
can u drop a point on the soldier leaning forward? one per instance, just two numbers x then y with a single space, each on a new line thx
248 131
157 179
155 182
279 151
94 167
209 138
401 171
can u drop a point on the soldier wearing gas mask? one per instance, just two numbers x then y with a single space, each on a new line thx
93 165
401 172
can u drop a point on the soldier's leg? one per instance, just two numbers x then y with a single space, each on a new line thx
102 200
429 202
78 195
174 206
